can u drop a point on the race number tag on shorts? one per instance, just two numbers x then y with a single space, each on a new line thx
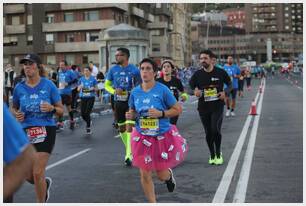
122 97
149 126
100 85
61 85
210 94
37 134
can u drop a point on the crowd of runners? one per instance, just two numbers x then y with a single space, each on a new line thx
146 102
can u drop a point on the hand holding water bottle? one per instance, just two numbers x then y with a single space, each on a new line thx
45 106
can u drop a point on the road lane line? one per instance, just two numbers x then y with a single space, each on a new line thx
117 136
242 184
67 158
222 190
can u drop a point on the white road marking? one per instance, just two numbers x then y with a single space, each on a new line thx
242 184
67 158
117 136
223 187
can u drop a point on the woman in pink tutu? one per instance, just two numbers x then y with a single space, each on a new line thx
157 145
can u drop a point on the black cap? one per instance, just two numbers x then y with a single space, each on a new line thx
32 58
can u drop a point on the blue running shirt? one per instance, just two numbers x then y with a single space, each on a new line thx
66 77
28 99
160 98
125 78
231 71
87 84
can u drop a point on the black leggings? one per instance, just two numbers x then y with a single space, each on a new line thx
86 108
173 120
248 80
212 123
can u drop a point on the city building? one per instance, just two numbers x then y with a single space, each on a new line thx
235 17
180 41
274 17
282 23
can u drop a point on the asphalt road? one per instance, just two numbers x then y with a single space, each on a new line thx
270 171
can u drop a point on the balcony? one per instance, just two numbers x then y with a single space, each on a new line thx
157 25
76 46
15 29
150 18
14 9
76 6
77 26
138 12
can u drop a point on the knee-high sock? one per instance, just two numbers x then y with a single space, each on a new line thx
126 139
128 153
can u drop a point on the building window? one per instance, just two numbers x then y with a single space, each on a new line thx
70 59
30 40
286 8
51 59
69 37
49 38
91 15
68 17
287 27
286 14
29 19
158 5
50 18
15 20
156 47
92 36
85 59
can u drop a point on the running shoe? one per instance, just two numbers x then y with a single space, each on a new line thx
59 126
88 131
211 161
227 114
72 124
233 113
171 182
128 162
49 183
219 161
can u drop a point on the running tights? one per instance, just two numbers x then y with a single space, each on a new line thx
212 123
86 108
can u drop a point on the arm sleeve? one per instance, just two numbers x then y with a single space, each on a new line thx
108 87
14 138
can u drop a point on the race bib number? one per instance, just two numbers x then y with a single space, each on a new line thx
61 85
124 96
210 94
149 126
101 85
37 134
86 92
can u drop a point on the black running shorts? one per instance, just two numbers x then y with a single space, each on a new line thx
48 144
121 108
66 99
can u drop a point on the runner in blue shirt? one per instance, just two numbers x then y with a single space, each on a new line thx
157 145
74 88
35 101
66 78
87 87
18 155
120 81
234 73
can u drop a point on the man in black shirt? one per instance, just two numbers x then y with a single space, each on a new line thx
174 84
207 84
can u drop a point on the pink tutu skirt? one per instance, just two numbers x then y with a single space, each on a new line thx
160 152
